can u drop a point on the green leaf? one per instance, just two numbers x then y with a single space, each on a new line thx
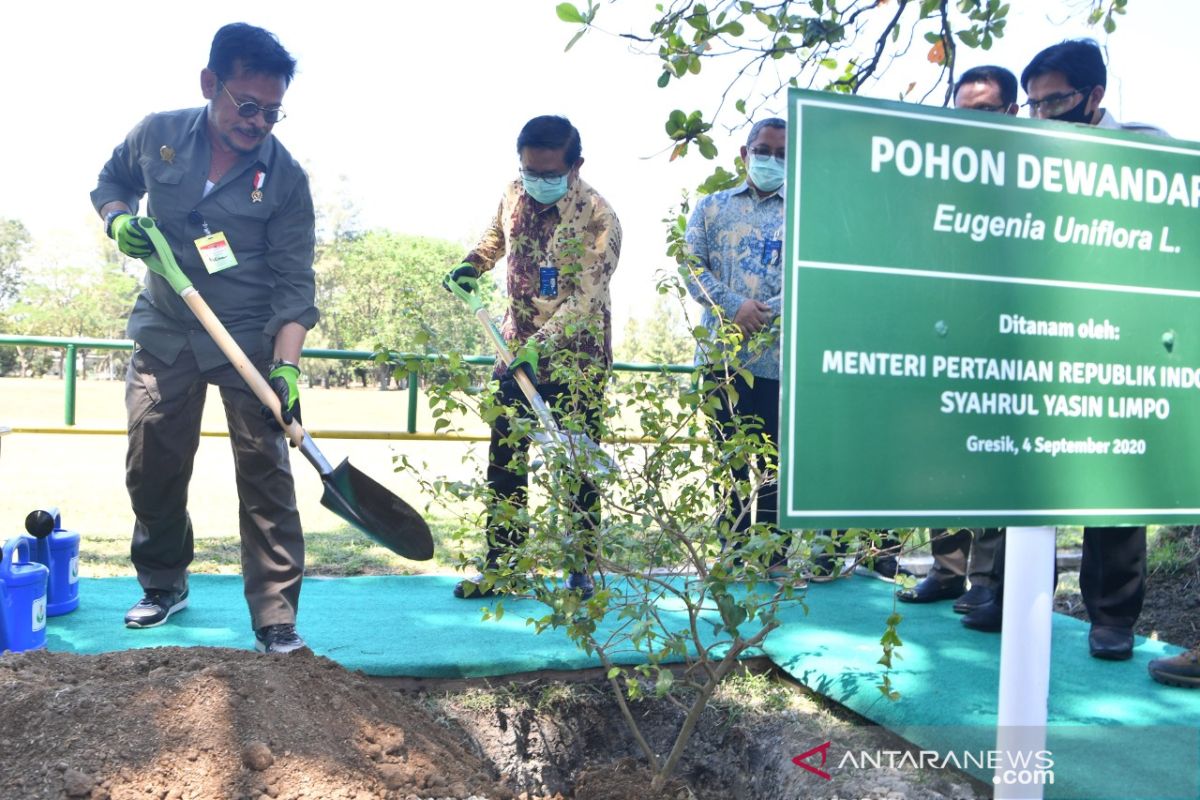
734 28
614 672
567 12
664 79
676 124
574 39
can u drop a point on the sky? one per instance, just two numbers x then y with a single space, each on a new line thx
411 110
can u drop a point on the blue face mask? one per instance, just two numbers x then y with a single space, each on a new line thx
545 190
767 172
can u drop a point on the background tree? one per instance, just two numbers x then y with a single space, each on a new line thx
69 298
837 45
383 291
661 338
14 243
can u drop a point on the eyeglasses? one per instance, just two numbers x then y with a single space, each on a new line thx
1055 104
250 109
530 175
762 151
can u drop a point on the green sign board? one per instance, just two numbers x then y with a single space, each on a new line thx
987 321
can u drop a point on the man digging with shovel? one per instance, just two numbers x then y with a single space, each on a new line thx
562 241
237 210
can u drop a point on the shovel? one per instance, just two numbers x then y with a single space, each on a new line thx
579 445
352 495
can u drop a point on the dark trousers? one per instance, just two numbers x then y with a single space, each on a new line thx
164 403
1112 576
761 401
974 553
507 474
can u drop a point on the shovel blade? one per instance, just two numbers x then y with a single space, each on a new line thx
377 512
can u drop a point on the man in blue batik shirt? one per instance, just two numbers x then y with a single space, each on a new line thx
735 238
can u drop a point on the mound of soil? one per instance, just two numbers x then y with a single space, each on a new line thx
182 723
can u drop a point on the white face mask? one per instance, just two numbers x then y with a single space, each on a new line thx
767 172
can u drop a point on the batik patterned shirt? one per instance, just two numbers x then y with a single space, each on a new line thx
737 238
580 238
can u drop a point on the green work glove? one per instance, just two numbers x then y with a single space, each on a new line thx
465 275
283 377
524 360
131 240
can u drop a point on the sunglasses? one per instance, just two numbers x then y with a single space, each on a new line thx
250 109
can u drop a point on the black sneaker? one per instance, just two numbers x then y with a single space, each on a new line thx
473 587
277 639
583 582
155 608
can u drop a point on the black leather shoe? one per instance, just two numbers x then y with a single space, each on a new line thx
975 597
931 590
988 617
1110 642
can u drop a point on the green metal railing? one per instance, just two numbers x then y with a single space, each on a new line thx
71 346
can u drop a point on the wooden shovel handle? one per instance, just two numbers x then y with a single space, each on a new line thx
257 383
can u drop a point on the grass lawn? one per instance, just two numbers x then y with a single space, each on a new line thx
84 475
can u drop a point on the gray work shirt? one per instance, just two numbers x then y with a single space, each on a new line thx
167 156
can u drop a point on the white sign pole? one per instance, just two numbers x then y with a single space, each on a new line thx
1024 660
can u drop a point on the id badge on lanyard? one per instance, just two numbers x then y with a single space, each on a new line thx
215 252
214 248
772 249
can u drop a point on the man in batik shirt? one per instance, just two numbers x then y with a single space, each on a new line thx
562 241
